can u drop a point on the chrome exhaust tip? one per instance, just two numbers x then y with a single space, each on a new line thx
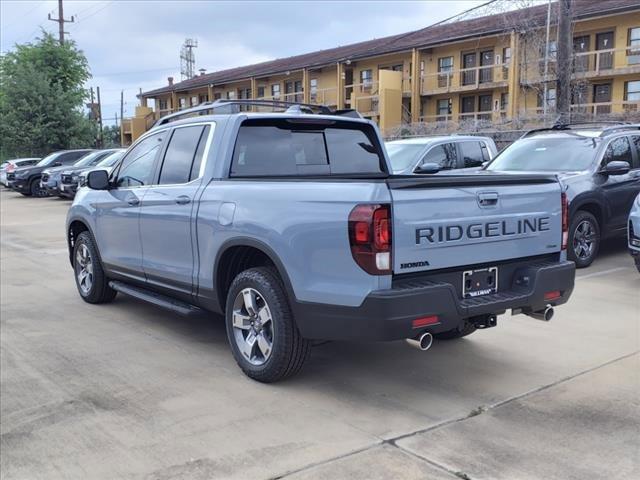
544 315
421 342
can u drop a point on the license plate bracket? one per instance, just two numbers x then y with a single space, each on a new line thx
483 281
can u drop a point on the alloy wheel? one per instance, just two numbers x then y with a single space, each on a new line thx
84 269
253 326
584 239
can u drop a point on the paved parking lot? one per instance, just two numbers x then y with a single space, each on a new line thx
127 390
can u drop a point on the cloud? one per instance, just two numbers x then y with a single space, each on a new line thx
136 44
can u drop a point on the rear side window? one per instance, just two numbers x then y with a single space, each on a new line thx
618 150
280 148
180 157
471 154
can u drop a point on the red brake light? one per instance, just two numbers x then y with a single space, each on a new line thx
370 238
565 220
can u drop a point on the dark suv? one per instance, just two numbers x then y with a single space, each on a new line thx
600 167
26 180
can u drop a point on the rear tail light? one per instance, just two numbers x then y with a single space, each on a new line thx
565 220
11 167
370 238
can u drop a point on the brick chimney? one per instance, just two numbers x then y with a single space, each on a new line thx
170 81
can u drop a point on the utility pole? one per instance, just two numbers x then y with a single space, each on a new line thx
100 142
565 60
121 106
61 21
546 65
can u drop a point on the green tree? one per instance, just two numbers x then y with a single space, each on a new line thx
111 136
41 98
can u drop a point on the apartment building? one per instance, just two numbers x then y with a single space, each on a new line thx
497 68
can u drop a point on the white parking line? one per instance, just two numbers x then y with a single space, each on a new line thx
603 272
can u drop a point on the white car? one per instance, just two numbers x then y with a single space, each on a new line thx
10 165
431 154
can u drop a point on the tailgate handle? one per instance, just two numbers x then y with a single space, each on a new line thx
488 199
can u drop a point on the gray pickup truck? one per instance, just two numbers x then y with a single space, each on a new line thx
292 226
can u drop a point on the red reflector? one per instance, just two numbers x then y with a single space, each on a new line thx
424 321
552 295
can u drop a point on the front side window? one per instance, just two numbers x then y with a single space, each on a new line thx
445 64
180 155
443 155
136 169
618 150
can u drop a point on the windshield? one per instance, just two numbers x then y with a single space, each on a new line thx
90 159
111 160
565 154
403 155
48 160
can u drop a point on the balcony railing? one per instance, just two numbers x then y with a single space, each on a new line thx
620 61
362 97
465 79
486 116
324 96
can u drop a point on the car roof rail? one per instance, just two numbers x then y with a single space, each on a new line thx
224 106
609 126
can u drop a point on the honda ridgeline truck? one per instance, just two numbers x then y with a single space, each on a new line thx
292 226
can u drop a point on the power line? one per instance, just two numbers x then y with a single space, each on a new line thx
95 12
115 74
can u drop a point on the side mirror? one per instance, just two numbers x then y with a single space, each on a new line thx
98 180
427 168
616 168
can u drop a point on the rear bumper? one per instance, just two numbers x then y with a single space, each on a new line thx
388 314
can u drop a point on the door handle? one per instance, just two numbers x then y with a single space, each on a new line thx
182 200
133 201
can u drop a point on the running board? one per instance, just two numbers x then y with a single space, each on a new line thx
157 299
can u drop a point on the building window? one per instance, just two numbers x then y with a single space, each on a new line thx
182 102
313 89
217 96
445 64
203 98
231 95
366 78
468 104
504 103
275 91
632 91
260 92
162 104
551 98
634 41
444 108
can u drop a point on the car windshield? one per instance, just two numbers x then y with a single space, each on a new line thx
48 160
560 154
111 160
90 159
403 155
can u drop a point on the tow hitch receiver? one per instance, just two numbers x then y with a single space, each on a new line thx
484 321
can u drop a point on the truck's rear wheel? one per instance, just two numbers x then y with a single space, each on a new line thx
263 336
467 329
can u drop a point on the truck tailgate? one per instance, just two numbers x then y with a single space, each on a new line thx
456 221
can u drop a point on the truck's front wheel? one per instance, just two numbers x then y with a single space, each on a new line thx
584 239
264 338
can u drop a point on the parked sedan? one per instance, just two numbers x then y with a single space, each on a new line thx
600 168
52 177
8 167
432 154
634 232
73 178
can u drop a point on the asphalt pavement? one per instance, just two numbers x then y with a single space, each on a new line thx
127 390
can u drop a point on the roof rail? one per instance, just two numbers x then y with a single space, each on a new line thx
233 106
612 125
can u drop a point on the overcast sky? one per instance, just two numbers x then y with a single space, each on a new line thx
136 44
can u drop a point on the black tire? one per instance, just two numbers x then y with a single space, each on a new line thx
35 190
289 351
467 329
584 239
99 290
